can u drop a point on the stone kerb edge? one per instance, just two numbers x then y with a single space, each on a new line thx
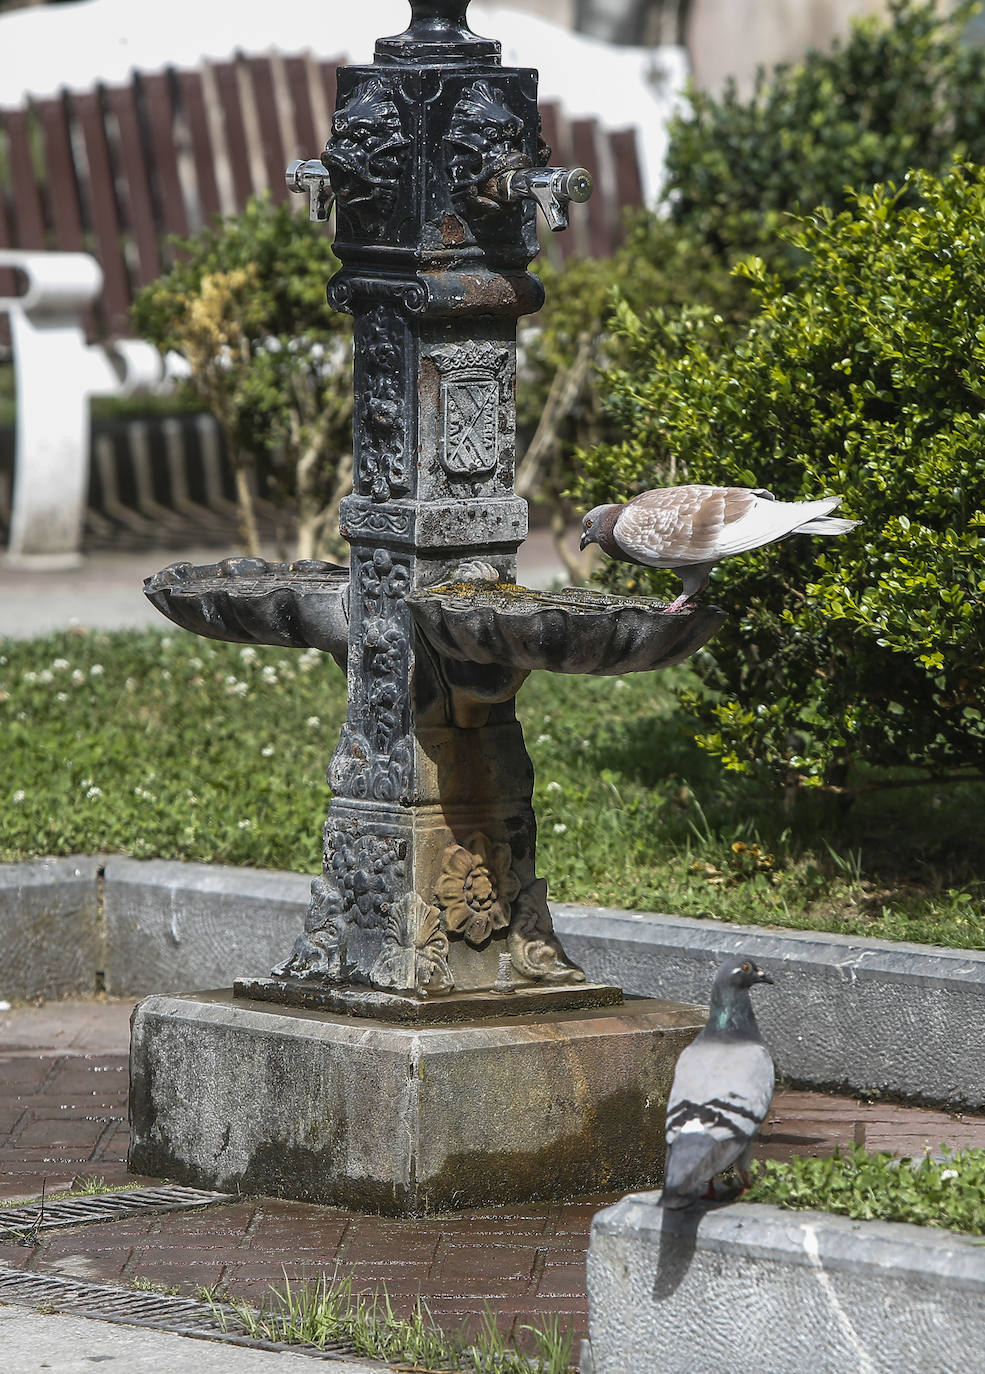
749 1287
867 1016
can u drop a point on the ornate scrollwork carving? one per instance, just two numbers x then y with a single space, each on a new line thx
484 139
319 950
535 950
368 154
476 887
382 456
414 951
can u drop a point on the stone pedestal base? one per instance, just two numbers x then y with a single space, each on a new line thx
238 1095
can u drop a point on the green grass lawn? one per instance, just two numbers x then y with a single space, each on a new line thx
170 746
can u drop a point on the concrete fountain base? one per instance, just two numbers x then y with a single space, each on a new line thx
240 1095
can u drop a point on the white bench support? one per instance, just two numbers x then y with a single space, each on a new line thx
57 372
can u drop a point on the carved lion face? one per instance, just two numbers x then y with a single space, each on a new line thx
367 152
484 139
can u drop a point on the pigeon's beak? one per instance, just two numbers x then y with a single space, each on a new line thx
586 539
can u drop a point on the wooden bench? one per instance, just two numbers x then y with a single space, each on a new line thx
115 170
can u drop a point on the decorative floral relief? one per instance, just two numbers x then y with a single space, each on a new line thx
381 457
414 952
534 948
476 887
367 154
366 869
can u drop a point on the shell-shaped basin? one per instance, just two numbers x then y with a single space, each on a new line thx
574 630
302 605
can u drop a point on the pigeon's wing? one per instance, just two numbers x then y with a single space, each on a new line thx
675 527
721 1093
672 527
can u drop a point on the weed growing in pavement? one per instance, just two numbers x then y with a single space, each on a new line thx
172 746
948 1191
317 1312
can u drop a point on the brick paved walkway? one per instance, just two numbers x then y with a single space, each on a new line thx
63 1087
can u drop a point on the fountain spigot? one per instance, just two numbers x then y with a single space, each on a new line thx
310 178
552 188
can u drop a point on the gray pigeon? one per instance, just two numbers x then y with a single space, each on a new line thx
690 529
722 1089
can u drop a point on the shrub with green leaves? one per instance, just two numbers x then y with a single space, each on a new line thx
901 92
244 304
947 1192
898 93
866 378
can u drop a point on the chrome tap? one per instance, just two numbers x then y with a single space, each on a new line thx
553 189
311 179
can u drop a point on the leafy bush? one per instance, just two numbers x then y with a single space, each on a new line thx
947 1192
864 378
245 305
894 96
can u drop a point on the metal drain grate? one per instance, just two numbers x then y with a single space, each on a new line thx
82 1211
160 1311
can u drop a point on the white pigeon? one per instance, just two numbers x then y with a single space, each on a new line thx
722 1089
691 528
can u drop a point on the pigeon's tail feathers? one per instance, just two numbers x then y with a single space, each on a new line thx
693 1161
827 524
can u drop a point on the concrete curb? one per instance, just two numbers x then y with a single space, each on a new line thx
869 1016
750 1287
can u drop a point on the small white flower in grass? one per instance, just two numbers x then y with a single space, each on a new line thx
585 744
544 739
560 828
244 825
166 642
93 793
553 787
30 677
239 689
4 696
59 664
3 660
19 795
230 679
46 675
194 663
313 722
249 654
267 751
78 675
948 1173
96 670
59 696
165 675
620 683
131 684
269 674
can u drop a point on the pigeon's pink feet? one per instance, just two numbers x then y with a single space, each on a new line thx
683 603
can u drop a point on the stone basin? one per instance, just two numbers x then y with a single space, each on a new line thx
303 605
573 630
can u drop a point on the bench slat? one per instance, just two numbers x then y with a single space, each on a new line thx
161 125
104 212
203 155
140 203
227 80
275 158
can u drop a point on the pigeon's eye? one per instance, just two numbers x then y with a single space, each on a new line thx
747 968
588 524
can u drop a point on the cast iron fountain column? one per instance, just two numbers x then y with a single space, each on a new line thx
406 1055
429 880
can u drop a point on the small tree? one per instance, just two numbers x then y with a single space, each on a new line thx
864 377
245 305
